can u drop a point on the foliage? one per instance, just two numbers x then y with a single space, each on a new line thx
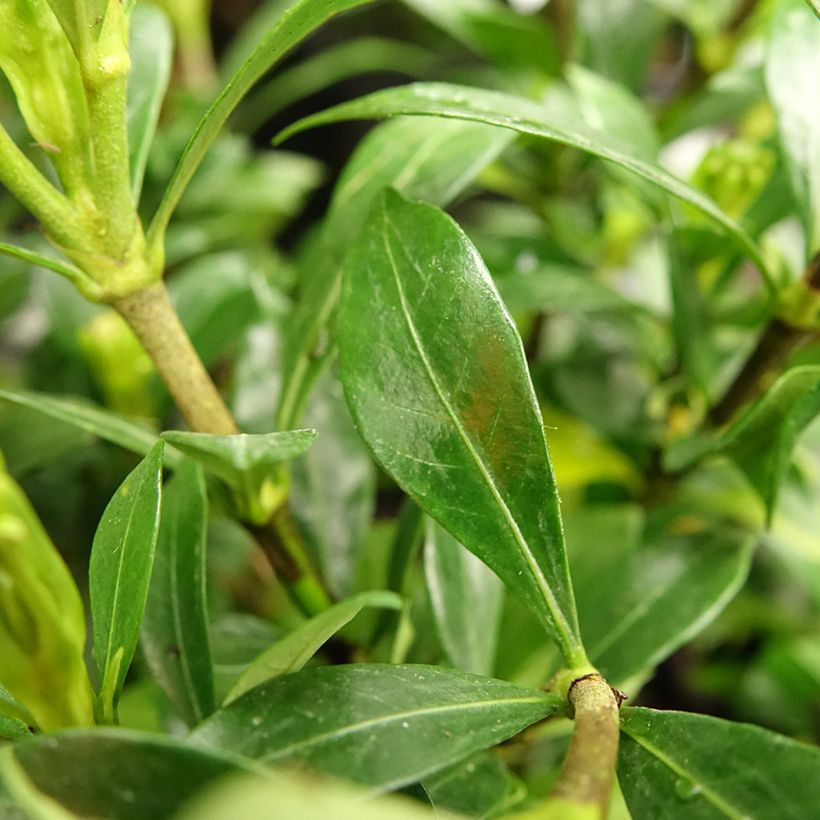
395 462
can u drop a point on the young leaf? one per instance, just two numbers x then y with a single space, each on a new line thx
119 573
760 442
42 623
677 765
292 652
466 597
526 117
175 638
245 462
290 29
422 158
792 72
72 273
436 378
86 416
384 726
151 47
136 775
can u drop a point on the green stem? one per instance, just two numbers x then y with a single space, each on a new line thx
153 319
19 174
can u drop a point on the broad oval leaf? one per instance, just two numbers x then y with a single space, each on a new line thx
466 597
436 378
381 725
526 117
175 638
114 774
288 31
151 47
122 556
677 765
293 651
793 81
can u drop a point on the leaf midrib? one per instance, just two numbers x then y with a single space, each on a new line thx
562 626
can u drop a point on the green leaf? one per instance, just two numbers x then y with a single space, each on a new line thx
175 638
361 55
81 21
639 602
120 571
86 416
677 765
72 273
466 597
814 5
761 441
292 652
289 30
792 69
13 728
334 489
526 117
384 726
151 45
245 462
42 623
480 787
435 374
118 774
422 158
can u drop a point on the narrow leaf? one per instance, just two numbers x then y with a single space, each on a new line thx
526 117
676 765
120 570
292 652
793 82
761 441
435 374
384 726
289 30
72 273
86 416
151 48
135 775
175 637
466 597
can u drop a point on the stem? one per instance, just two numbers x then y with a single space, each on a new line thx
584 786
561 13
153 319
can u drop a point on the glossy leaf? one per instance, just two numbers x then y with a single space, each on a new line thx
119 573
93 419
677 765
639 600
293 651
151 48
526 117
288 31
761 440
792 72
466 597
334 489
436 378
135 775
423 158
175 638
42 624
380 725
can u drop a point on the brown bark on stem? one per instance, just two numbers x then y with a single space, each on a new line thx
153 319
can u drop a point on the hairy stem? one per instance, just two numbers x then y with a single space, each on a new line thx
153 319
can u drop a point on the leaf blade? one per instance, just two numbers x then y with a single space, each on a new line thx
420 380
